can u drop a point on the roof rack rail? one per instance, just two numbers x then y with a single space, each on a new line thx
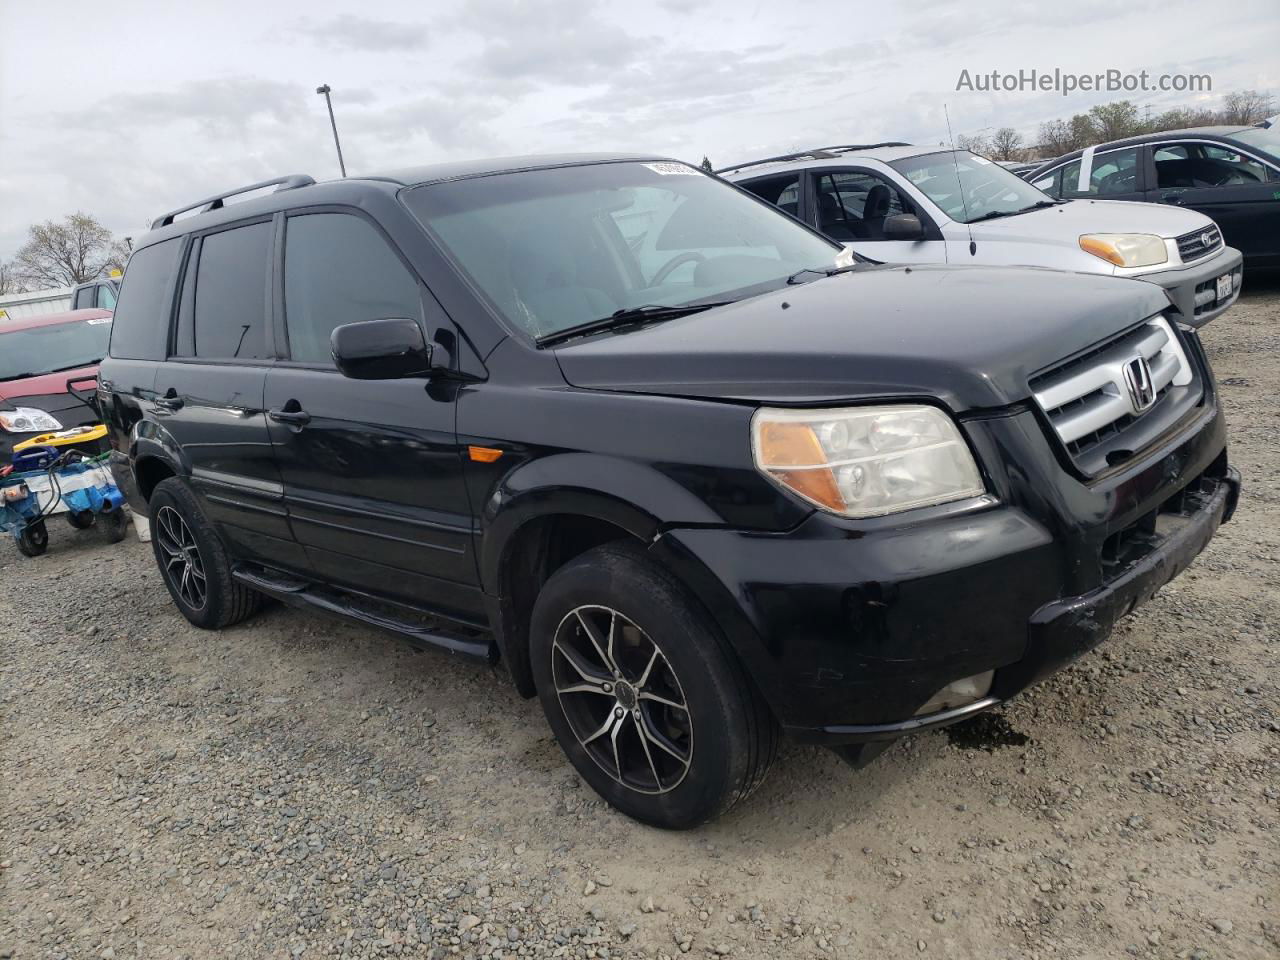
291 182
819 153
802 155
847 147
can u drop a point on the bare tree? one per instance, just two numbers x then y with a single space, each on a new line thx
9 280
1055 138
1115 120
1182 117
975 143
62 254
1005 143
1244 107
1083 131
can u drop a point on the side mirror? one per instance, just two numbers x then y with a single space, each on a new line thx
381 350
903 226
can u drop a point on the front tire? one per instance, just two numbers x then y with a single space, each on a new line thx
34 539
646 698
193 562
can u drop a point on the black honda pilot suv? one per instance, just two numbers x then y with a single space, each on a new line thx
695 475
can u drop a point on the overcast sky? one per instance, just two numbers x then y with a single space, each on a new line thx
126 109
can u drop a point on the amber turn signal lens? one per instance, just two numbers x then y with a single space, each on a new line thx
483 454
784 445
1100 248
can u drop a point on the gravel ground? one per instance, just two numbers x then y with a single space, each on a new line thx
299 787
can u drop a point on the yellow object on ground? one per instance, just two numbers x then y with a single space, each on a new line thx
63 438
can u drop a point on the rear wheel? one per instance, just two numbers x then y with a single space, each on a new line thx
116 524
644 696
193 562
81 519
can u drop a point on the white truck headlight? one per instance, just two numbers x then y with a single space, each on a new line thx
28 420
865 461
1126 249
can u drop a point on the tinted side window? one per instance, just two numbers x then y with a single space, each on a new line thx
783 192
1112 173
1052 183
106 297
338 269
83 298
141 327
230 316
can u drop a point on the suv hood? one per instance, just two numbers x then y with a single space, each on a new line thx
969 336
1065 222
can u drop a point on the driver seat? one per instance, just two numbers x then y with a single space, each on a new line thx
875 210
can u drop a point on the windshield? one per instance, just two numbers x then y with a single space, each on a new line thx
1260 138
968 187
59 346
555 249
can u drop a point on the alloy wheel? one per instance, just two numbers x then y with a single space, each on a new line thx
183 567
622 699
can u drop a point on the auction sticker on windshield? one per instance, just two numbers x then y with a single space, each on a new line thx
672 169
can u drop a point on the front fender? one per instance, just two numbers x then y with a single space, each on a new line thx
635 497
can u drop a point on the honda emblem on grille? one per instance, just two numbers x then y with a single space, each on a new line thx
1137 377
1206 239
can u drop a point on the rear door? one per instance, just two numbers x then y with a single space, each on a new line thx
209 390
1237 191
372 470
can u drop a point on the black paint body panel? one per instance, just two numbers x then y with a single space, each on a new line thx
845 626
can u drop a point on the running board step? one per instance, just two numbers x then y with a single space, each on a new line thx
420 626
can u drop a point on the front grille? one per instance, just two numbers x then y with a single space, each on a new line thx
1199 243
1092 405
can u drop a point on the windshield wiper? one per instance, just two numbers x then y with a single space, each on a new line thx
825 271
628 317
1038 205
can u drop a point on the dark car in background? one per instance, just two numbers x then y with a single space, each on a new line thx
1230 174
100 294
38 357
692 474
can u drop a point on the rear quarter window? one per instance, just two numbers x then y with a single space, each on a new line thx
141 327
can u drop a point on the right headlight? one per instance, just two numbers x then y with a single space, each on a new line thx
865 461
28 420
1126 249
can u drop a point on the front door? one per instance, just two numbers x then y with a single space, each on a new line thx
850 205
209 392
1108 175
1238 192
371 469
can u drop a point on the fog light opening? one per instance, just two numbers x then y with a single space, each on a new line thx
958 693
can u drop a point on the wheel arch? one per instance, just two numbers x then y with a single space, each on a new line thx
533 537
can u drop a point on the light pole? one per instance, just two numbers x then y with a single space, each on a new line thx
333 123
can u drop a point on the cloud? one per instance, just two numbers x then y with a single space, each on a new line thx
530 44
350 32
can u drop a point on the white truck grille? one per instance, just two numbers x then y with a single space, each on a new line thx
1098 395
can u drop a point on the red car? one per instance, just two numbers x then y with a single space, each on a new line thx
38 356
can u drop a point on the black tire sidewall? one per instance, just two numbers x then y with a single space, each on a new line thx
711 682
34 540
219 586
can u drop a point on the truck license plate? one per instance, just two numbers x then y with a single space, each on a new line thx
1224 287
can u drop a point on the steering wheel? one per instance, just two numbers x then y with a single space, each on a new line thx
679 260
